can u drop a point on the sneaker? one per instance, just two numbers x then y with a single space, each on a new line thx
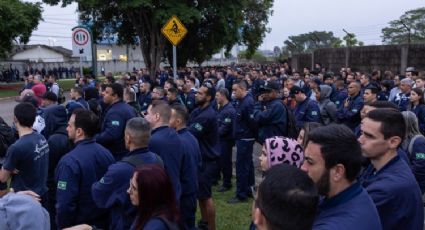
236 200
223 189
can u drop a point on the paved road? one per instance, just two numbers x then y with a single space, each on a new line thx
6 109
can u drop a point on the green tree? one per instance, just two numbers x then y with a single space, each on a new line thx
17 21
257 56
307 42
212 25
410 28
351 40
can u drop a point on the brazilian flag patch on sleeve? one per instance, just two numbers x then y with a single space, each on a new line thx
62 185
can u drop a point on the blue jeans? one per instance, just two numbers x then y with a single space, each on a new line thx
244 168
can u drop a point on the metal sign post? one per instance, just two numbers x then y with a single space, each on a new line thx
82 45
174 31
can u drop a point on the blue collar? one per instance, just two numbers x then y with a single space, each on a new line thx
159 129
138 151
183 130
85 141
342 197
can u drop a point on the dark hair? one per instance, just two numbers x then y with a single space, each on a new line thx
241 84
25 113
173 91
117 89
111 79
308 127
339 145
288 198
383 104
78 90
224 92
419 92
181 112
210 89
392 122
373 89
156 195
161 107
90 93
87 121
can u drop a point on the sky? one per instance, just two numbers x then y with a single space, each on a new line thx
364 18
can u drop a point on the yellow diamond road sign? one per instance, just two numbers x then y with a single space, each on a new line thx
174 30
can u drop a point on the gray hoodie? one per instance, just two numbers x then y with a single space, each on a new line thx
327 107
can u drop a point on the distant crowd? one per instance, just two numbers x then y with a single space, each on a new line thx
340 150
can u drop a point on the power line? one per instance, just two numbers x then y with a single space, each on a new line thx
49 36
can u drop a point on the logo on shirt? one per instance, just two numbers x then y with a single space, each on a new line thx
313 113
354 110
115 123
227 120
198 127
62 185
420 156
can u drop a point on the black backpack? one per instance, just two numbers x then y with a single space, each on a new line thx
7 137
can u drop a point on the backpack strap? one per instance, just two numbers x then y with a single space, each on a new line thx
412 142
136 160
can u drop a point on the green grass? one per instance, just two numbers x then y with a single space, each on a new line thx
229 216
8 93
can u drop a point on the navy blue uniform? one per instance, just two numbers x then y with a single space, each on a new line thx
350 209
75 174
111 135
145 99
110 192
350 115
192 162
416 159
396 195
307 111
76 104
166 143
244 128
339 97
189 100
419 111
203 125
226 119
272 120
402 100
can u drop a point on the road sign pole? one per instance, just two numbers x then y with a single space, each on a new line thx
175 62
81 66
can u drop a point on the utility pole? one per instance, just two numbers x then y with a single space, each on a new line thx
347 48
409 34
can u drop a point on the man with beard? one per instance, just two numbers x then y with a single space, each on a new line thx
388 179
203 125
333 161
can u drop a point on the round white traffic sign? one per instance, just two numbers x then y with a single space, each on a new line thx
81 37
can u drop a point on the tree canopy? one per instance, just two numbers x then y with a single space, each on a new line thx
212 25
410 28
17 21
307 42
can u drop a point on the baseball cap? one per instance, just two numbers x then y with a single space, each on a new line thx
294 90
269 86
410 69
50 96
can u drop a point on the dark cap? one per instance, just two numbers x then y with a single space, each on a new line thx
50 96
269 86
295 90
317 81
